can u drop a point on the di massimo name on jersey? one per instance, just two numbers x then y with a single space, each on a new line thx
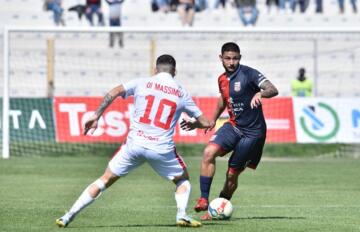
164 88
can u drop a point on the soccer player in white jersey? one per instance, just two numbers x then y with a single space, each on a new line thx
159 102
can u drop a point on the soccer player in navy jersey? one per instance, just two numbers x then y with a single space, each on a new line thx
242 89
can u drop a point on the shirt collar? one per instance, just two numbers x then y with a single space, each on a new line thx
234 74
164 75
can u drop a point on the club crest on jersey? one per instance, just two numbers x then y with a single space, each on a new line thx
237 86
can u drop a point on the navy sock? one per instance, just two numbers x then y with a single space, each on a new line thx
205 184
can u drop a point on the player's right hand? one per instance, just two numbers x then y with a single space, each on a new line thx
187 125
256 100
91 123
212 125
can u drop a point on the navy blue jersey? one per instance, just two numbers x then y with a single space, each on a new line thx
237 90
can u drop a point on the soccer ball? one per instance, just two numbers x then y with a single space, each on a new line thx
220 208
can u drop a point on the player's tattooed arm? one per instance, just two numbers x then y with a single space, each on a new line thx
92 122
268 89
109 98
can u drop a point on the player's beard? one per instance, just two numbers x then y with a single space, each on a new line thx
231 69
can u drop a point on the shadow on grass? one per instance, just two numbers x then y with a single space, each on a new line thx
267 218
135 226
125 226
212 222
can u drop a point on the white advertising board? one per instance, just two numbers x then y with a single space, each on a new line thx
328 120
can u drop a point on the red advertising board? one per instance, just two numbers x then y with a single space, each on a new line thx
207 106
279 118
71 113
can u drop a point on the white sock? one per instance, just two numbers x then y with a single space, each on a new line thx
182 198
85 199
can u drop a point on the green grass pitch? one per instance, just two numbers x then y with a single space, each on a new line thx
307 194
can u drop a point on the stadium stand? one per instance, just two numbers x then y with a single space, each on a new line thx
29 12
77 59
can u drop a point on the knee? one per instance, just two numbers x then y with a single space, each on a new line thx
209 155
231 183
183 186
232 177
108 178
96 188
184 176
184 183
100 184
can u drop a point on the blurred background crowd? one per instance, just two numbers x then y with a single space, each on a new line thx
187 13
314 62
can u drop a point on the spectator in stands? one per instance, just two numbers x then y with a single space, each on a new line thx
248 12
186 9
301 86
79 9
218 3
270 3
200 5
163 5
56 7
282 4
342 6
115 21
94 7
302 4
319 6
174 4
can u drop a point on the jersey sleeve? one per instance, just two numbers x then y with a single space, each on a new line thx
190 107
221 79
130 87
257 77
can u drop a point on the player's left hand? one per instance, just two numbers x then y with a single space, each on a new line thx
256 100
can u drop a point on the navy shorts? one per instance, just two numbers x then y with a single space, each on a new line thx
247 151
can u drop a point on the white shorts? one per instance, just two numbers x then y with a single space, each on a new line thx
128 157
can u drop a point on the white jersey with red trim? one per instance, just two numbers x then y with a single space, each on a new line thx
159 101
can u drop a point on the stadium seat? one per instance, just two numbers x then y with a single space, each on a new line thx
91 60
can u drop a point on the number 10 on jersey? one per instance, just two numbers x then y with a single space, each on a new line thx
159 112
